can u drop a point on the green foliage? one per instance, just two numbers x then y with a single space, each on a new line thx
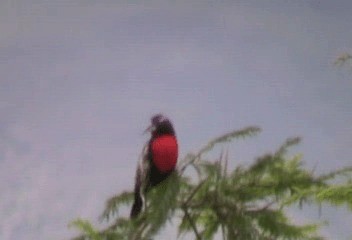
337 195
245 203
114 203
162 202
87 229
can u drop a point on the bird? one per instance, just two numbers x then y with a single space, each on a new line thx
157 162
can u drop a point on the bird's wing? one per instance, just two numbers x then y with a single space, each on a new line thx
143 165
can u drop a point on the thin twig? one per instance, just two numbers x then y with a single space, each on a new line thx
265 207
249 131
193 225
193 193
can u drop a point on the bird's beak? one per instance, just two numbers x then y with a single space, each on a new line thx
148 129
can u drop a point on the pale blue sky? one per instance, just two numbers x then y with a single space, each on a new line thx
80 80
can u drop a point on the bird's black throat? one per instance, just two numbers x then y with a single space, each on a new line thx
163 128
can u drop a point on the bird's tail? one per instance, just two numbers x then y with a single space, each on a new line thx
140 184
138 198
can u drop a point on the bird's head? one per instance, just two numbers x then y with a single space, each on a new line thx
160 125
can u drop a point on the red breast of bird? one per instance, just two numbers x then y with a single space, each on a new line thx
165 153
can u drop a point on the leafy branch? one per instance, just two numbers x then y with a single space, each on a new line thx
243 203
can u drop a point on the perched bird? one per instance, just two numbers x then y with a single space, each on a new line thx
158 160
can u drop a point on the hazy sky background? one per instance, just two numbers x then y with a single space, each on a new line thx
80 80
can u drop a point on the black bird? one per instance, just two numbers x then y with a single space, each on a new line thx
159 158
